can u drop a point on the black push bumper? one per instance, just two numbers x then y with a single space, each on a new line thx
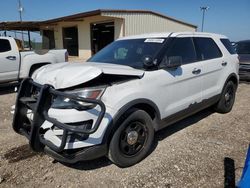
39 98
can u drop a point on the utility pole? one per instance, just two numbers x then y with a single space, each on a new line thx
203 9
20 10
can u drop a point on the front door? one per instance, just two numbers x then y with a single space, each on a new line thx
9 61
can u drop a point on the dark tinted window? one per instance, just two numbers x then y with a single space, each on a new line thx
183 47
228 46
243 47
207 48
4 45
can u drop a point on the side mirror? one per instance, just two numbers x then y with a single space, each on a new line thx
148 62
173 61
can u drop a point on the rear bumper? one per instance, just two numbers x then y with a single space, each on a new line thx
35 131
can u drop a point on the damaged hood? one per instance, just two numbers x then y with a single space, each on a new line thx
64 75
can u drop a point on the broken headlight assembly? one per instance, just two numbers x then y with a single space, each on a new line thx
61 102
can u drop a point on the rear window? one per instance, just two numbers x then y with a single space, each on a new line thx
207 48
243 47
4 45
228 46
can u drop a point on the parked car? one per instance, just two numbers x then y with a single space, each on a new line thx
17 64
115 102
243 50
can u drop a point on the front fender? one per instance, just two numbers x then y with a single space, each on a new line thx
114 124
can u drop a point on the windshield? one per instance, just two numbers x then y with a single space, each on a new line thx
243 48
129 52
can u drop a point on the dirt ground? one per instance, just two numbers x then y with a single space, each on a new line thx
189 153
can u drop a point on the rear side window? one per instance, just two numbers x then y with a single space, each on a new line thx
228 46
207 48
4 45
183 47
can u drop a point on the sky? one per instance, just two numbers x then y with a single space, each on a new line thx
228 17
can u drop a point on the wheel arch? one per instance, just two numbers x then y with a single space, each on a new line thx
220 104
232 77
142 104
36 66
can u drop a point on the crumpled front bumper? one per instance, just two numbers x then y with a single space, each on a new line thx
34 119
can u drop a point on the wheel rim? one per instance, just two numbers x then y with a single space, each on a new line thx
133 138
229 96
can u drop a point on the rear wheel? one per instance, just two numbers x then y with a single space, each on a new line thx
133 139
227 98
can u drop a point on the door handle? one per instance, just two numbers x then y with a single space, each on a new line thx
12 58
196 71
224 64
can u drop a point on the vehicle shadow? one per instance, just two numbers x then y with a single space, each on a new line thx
178 126
171 129
8 88
90 165
160 135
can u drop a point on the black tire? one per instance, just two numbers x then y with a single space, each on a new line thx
125 151
227 98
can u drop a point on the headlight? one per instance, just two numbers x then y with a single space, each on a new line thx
66 103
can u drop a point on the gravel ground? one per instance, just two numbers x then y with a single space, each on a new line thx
189 153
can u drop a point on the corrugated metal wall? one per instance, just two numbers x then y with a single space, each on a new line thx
138 23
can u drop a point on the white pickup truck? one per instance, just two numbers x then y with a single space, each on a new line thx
16 63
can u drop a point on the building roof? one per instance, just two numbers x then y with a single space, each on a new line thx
17 25
78 16
35 25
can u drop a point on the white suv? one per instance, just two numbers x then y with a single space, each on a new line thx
114 103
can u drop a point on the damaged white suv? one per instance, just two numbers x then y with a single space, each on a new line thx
114 103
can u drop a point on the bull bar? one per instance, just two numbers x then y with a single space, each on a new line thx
40 104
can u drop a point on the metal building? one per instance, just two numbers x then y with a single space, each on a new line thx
86 33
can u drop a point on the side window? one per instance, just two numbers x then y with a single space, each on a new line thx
228 46
184 48
4 45
207 48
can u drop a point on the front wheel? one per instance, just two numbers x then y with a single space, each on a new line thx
226 102
133 139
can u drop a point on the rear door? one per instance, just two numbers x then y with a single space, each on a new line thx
212 64
9 61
